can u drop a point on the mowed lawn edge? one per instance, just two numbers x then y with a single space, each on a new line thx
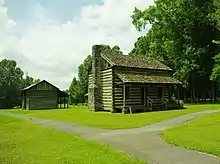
24 142
201 134
106 120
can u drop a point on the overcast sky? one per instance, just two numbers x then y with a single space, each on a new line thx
49 39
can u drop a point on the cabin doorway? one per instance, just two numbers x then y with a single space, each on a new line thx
143 96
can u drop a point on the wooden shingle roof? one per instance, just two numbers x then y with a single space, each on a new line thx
134 62
140 77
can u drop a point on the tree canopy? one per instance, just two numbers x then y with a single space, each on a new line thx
182 37
11 83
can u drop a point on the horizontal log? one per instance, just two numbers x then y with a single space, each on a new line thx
106 78
134 93
107 70
118 91
107 81
109 93
106 75
106 92
132 103
107 88
118 95
106 85
120 104
107 106
129 101
106 100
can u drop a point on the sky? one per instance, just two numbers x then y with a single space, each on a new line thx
49 39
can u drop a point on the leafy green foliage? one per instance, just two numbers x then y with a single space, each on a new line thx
27 81
83 73
216 69
75 92
181 37
10 83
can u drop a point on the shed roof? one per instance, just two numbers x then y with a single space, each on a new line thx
32 85
134 62
140 77
60 93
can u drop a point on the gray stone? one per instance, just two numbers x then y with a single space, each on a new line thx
94 92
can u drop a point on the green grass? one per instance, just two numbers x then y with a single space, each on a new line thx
26 143
81 115
202 134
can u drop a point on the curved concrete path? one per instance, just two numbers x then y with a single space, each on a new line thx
143 143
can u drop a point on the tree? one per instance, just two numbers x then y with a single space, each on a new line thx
10 83
75 92
27 81
181 37
216 69
116 49
83 73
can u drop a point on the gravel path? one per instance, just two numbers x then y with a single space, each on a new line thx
143 143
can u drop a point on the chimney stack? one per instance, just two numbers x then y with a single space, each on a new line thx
94 93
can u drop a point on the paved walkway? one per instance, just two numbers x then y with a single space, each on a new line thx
143 143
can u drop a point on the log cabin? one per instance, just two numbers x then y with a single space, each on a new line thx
43 95
124 83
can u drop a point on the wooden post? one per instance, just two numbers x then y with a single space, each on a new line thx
60 102
124 95
64 102
67 103
124 98
145 98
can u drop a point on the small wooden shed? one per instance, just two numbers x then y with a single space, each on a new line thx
43 95
123 82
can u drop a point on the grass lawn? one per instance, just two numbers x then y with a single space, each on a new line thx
24 142
81 115
201 134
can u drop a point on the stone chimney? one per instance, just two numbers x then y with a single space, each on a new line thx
94 93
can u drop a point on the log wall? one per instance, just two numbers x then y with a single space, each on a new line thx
44 99
107 89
